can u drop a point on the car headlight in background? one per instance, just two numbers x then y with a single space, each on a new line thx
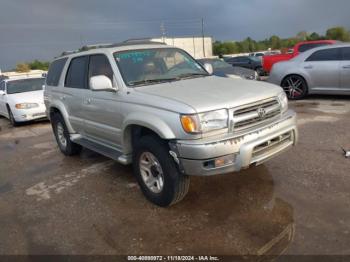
282 97
26 105
205 122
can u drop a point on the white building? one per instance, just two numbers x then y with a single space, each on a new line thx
197 46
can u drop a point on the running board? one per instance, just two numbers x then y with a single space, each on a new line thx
103 150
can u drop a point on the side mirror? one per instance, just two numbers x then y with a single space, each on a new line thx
101 83
209 68
2 93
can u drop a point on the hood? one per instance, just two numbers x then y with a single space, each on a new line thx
28 97
210 93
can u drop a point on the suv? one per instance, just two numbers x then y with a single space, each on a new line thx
154 106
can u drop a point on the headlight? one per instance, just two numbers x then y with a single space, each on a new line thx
282 97
205 122
26 105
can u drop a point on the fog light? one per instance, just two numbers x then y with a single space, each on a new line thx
220 161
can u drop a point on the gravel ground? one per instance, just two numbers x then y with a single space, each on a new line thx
298 203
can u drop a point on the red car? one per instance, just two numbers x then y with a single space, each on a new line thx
269 60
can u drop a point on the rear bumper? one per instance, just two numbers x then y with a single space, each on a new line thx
238 152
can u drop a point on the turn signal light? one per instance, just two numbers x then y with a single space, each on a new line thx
189 124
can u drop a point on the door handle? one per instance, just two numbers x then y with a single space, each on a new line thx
88 101
308 67
346 67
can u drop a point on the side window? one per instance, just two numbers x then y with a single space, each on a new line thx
331 54
346 53
305 47
55 71
76 75
2 86
99 65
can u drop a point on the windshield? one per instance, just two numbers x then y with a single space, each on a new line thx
147 66
25 85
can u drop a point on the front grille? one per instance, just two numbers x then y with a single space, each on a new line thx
255 114
276 142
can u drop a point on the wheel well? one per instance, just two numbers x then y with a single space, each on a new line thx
295 75
133 134
53 111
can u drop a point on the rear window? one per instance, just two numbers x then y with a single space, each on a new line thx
55 71
305 47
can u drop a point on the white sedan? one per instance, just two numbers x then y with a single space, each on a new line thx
22 99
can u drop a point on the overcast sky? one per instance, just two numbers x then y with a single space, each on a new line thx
42 29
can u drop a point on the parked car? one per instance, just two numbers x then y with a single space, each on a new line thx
269 60
21 99
223 69
323 70
250 62
140 103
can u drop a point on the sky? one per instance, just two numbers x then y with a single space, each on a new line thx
42 29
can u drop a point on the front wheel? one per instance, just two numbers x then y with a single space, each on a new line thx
13 121
295 87
157 174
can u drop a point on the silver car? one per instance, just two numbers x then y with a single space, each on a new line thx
323 70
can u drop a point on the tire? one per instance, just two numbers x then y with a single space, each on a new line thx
13 121
259 71
60 130
295 87
153 163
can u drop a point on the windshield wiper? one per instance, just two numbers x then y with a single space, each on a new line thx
152 81
188 75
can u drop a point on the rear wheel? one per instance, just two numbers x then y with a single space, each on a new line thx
11 117
295 87
157 174
66 146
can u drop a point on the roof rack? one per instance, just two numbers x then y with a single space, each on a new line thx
124 43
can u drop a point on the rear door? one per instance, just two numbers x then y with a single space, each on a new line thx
345 69
322 67
75 88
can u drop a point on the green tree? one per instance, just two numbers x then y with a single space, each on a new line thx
314 36
338 33
22 68
39 65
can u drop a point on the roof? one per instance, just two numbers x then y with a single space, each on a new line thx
310 51
126 45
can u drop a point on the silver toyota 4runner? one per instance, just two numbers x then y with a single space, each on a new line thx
154 106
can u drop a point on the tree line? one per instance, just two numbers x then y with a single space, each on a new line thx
274 42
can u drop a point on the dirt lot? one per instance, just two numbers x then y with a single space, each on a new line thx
297 203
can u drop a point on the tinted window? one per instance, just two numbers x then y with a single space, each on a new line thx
76 75
346 53
305 47
99 65
331 54
2 86
25 85
55 71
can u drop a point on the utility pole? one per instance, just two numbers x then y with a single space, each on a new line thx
162 30
203 37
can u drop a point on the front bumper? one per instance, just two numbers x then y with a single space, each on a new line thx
251 148
23 115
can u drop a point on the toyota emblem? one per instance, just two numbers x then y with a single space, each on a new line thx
261 112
